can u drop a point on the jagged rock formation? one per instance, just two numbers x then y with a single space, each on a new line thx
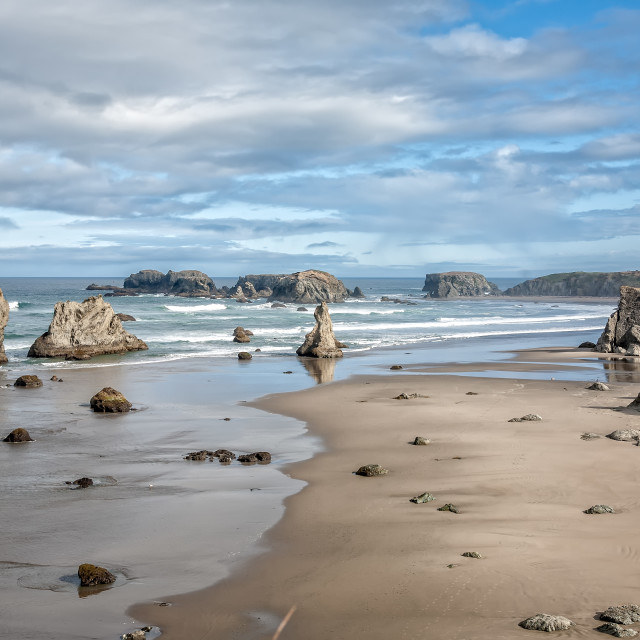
306 287
622 331
356 293
455 284
320 341
258 286
186 284
579 283
88 328
4 318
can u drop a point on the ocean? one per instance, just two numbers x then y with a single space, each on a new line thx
164 525
176 328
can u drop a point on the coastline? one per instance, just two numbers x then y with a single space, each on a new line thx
359 560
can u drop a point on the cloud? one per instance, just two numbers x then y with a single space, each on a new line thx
321 245
7 223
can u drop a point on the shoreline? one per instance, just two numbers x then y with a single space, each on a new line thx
359 560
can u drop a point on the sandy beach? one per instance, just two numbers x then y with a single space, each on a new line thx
358 560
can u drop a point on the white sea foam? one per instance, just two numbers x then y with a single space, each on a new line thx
364 312
195 308
14 305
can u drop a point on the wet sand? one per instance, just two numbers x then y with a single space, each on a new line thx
358 560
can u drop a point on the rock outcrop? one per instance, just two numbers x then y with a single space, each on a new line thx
622 331
579 283
28 381
307 287
545 622
19 435
91 574
88 328
4 318
109 400
186 284
261 284
456 284
320 341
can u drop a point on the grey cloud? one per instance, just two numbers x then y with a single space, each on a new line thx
321 245
7 223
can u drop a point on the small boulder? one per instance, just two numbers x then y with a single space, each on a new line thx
82 483
625 435
278 305
616 630
241 335
422 498
54 378
598 386
589 436
395 367
530 417
125 317
472 554
409 396
19 435
199 455
545 622
622 614
587 345
244 355
139 634
449 507
108 400
91 574
28 381
263 456
248 458
420 441
599 508
302 309
370 470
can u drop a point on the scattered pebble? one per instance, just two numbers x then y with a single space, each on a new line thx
472 554
599 508
420 441
422 498
449 507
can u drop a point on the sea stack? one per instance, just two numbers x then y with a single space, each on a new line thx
622 332
320 341
456 284
84 329
307 287
185 284
4 318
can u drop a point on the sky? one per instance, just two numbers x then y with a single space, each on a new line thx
360 137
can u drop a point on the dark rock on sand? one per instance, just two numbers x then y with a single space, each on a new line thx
454 284
4 318
420 441
622 331
82 483
19 435
587 345
473 554
307 287
91 574
598 386
616 630
30 382
395 367
530 417
589 436
422 498
248 458
244 355
108 400
370 470
599 508
622 614
449 507
409 396
199 455
139 634
320 342
545 622
89 328
125 317
625 435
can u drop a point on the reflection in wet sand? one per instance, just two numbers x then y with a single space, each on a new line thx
625 369
320 369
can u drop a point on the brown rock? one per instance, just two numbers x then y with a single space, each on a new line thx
19 435
308 287
4 318
28 381
108 400
370 470
622 331
91 574
244 355
320 341
89 328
